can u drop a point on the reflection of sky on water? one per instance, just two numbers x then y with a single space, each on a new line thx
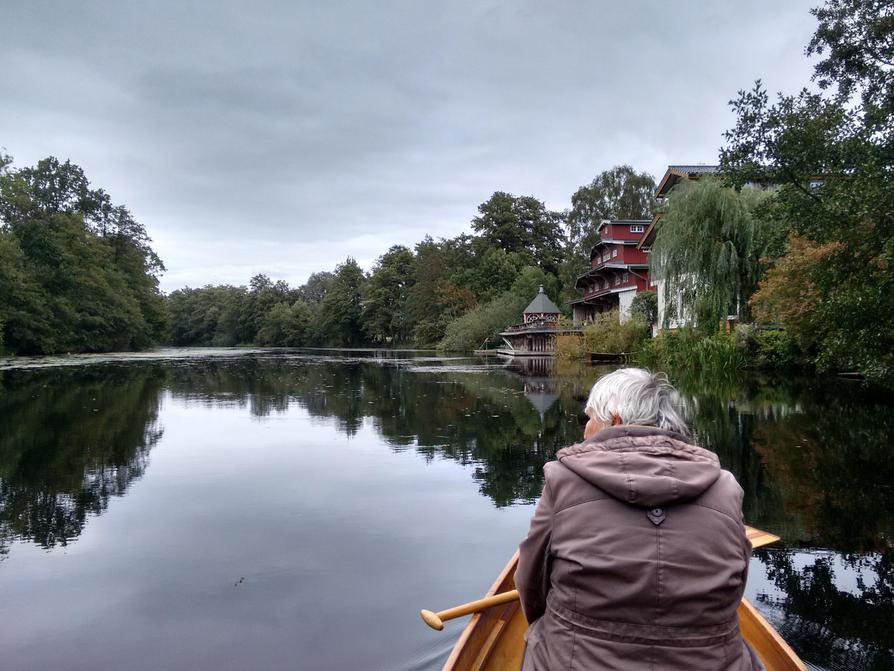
230 508
848 576
240 553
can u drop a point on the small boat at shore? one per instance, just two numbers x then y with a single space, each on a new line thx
493 640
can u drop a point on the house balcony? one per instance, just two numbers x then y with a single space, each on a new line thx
606 291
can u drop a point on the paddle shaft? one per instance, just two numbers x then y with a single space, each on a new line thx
436 620
757 537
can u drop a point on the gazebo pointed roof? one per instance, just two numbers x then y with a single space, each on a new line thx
541 305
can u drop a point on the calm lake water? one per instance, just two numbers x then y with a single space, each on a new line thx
239 509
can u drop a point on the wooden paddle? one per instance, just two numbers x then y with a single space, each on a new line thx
757 537
437 620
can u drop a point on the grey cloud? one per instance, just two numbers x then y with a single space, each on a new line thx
244 137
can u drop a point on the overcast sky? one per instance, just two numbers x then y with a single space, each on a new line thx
282 137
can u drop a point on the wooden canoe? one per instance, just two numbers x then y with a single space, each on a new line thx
493 639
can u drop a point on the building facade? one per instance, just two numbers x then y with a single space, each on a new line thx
618 270
672 176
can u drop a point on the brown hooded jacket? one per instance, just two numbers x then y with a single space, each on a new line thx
636 558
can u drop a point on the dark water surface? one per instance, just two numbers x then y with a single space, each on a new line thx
286 510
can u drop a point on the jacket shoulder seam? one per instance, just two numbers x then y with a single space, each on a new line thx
717 510
605 497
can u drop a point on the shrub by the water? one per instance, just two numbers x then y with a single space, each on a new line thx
687 348
570 347
608 334
769 348
644 307
475 327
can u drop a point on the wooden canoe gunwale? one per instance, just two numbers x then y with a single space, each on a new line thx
481 645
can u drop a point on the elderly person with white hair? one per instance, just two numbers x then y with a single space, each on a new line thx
637 555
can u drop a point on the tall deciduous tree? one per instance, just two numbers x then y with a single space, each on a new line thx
707 251
317 286
88 278
434 299
286 325
833 155
340 311
385 317
523 225
618 193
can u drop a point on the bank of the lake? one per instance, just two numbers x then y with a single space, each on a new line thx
233 509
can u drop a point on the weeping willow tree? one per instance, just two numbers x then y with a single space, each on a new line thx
708 251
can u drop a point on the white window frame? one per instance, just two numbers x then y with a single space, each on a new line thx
637 228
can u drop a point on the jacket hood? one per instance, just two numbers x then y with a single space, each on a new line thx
643 465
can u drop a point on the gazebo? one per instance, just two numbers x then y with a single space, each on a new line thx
536 335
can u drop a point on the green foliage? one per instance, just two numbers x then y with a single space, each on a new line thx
570 347
78 273
315 289
687 348
385 318
286 325
644 307
606 333
207 316
619 193
769 349
340 311
474 328
707 251
832 154
28 322
481 324
528 282
522 225
435 298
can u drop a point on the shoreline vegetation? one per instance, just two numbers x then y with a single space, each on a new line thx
792 237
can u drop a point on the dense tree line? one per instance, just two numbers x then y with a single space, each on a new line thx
456 293
810 250
832 153
77 273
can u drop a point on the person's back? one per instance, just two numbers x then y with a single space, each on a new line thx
636 559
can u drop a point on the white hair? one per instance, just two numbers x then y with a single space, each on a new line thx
637 397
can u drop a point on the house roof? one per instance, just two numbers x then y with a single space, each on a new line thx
675 172
623 222
645 242
541 304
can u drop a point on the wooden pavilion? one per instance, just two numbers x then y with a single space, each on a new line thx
536 335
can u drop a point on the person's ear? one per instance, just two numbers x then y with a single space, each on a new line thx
616 419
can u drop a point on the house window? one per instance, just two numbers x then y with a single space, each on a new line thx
617 280
637 228
614 253
626 277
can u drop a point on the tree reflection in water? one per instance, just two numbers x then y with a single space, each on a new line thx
70 440
482 418
825 618
813 457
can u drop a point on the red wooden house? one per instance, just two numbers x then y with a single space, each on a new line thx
618 270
